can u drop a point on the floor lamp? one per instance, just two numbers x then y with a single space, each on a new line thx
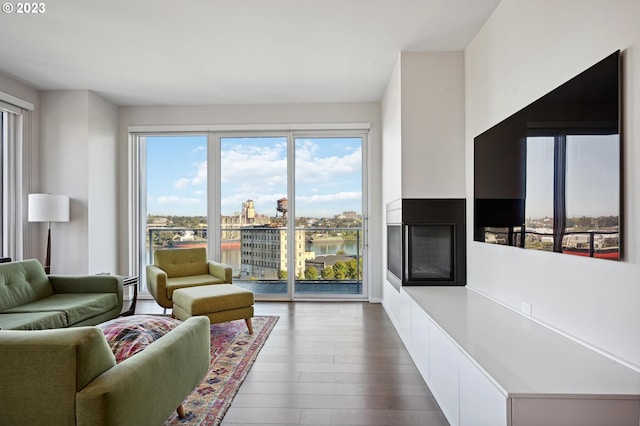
48 208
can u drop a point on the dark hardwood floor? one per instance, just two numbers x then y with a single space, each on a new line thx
330 363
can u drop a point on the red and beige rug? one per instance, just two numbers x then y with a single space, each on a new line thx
233 351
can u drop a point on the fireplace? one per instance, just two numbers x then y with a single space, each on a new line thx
426 242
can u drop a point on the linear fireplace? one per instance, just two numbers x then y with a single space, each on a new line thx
426 242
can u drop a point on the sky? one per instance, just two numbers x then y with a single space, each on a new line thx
593 176
328 175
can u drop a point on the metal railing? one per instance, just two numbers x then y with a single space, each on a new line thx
592 243
335 250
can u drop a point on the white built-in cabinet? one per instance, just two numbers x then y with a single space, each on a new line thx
444 361
481 402
420 340
487 365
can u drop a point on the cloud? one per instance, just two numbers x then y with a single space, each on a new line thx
311 169
327 198
174 200
181 183
328 175
201 173
252 169
200 177
267 165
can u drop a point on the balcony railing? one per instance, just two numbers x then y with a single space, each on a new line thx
331 263
591 243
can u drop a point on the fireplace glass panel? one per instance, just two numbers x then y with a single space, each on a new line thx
394 251
430 249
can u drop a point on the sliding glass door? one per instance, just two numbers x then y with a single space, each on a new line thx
253 211
285 210
329 213
175 189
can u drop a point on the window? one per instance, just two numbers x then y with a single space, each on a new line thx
13 122
255 190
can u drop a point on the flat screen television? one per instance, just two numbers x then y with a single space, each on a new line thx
549 176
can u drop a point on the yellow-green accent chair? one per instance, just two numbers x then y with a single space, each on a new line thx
180 268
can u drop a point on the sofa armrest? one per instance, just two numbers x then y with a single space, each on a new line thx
157 285
149 386
42 371
221 270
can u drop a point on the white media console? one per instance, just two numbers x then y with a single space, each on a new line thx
488 365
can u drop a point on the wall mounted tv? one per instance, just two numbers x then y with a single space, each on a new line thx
549 176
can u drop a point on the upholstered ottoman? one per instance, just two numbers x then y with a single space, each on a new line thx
218 302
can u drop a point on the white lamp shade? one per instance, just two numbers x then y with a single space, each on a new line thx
48 208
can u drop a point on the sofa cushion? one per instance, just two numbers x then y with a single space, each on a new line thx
76 306
192 281
129 335
23 282
32 320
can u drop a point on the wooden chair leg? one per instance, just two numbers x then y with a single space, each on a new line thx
180 411
249 326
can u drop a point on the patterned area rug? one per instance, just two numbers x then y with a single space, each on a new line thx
233 351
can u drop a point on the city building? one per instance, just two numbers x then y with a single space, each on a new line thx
263 252
231 225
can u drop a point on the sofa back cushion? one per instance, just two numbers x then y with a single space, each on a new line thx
182 262
22 282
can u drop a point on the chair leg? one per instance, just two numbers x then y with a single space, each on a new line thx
180 411
249 326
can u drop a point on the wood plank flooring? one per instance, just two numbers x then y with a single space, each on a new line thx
330 363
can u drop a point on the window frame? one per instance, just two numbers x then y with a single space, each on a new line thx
15 143
137 173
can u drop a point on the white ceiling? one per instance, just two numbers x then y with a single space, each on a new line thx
195 52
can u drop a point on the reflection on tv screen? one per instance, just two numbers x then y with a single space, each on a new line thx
549 177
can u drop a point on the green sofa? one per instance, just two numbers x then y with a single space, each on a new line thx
32 300
70 376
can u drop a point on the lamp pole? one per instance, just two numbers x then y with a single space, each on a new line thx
47 260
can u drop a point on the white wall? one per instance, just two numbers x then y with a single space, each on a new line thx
423 142
103 178
432 91
391 107
264 114
64 170
526 49
78 152
19 90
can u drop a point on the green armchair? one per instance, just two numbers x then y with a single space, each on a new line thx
180 268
